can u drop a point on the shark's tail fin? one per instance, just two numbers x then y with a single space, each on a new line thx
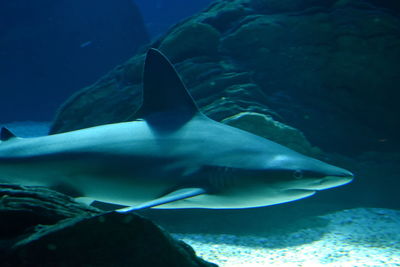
6 134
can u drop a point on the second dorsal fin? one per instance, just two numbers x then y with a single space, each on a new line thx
6 134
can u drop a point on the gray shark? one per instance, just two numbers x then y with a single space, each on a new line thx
172 157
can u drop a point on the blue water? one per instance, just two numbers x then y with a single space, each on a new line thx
50 50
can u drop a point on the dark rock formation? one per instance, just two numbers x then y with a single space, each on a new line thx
41 227
159 15
329 68
390 5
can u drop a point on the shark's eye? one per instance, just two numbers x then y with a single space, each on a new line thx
298 174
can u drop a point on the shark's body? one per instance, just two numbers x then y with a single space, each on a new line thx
174 157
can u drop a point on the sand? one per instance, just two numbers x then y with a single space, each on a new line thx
355 237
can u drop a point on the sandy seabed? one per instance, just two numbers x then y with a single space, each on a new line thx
354 237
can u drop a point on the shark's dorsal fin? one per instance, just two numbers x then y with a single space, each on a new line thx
6 134
163 90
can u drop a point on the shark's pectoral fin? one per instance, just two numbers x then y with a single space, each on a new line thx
171 197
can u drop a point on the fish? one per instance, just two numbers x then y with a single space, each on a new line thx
85 44
172 156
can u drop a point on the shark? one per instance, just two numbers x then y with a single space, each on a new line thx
173 156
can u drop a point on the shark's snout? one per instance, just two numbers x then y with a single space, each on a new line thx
330 176
318 175
339 172
334 179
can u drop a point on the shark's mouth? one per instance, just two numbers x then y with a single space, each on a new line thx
311 187
329 182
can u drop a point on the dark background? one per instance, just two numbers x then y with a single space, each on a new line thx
50 49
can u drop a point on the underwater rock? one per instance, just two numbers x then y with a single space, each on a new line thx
196 39
23 208
332 60
267 127
41 227
328 69
274 6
